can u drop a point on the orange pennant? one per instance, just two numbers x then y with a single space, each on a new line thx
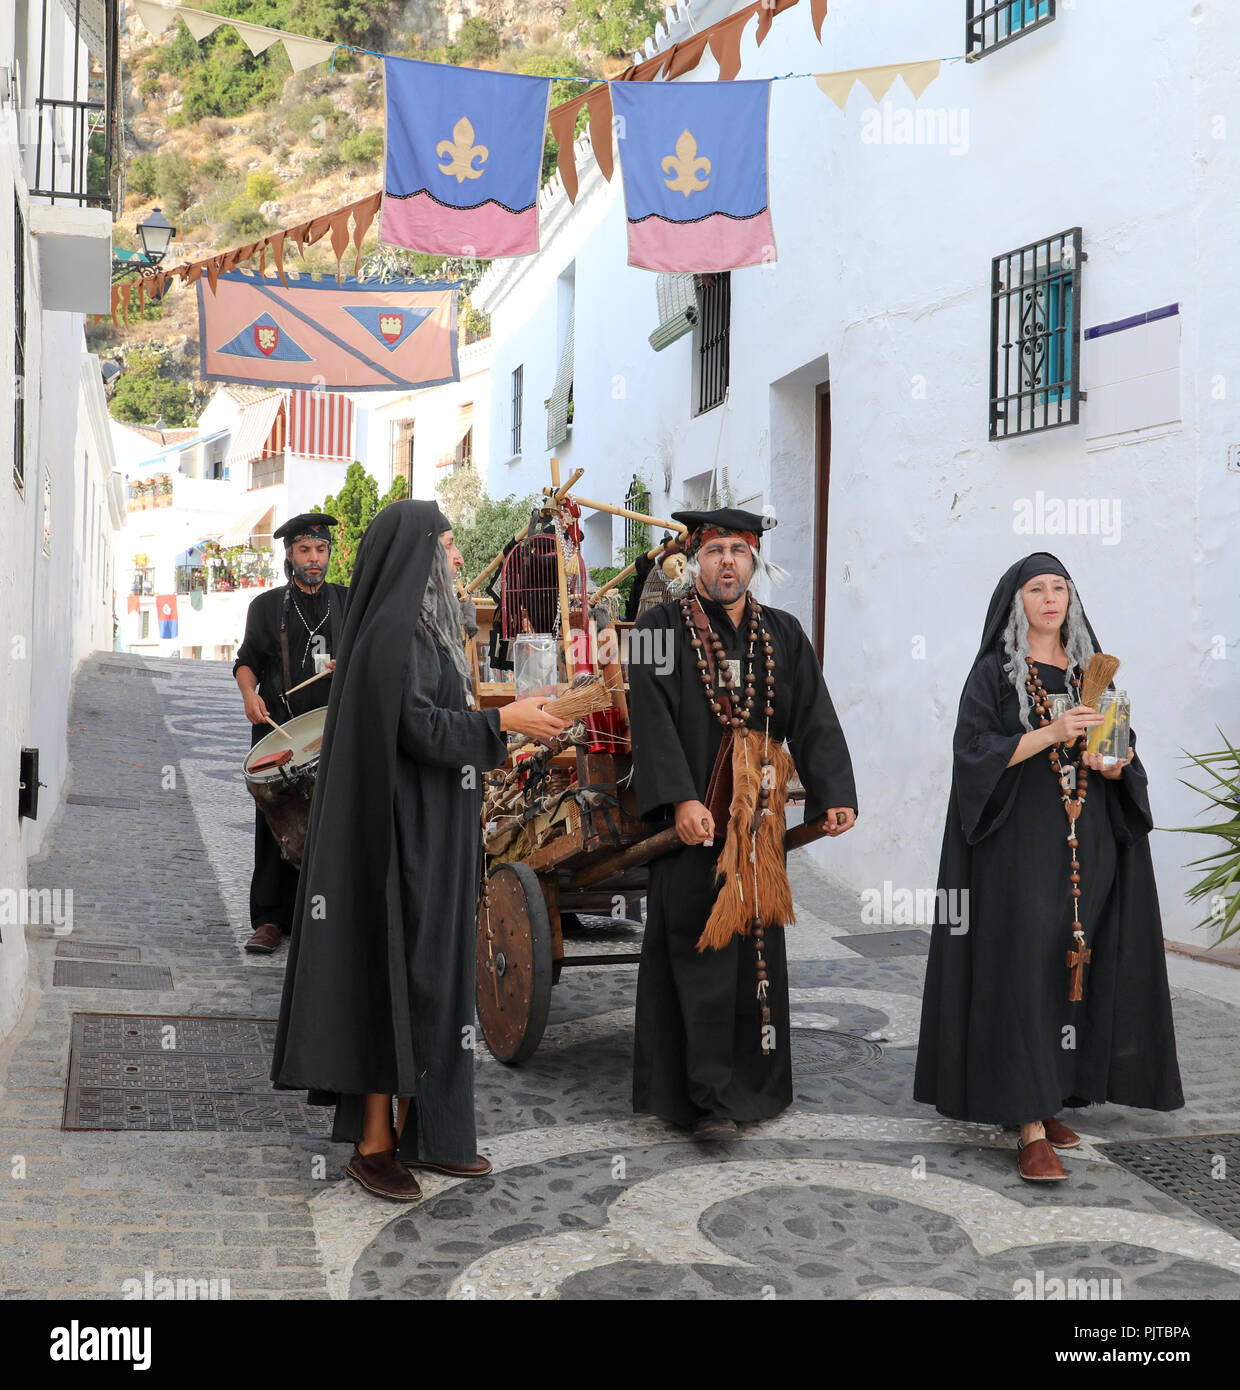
562 122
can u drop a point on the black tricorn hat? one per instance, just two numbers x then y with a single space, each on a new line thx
306 525
727 519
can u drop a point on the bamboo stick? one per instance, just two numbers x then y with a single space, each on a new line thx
622 576
633 516
561 571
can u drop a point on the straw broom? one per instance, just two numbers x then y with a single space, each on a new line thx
1098 675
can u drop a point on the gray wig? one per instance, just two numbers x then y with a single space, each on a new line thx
441 613
1073 634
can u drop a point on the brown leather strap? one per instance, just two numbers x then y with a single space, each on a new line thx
719 787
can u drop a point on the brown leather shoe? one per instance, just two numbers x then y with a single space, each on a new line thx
1038 1162
1060 1135
381 1174
479 1168
266 939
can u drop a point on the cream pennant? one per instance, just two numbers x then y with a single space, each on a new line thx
156 16
200 24
878 80
254 36
304 53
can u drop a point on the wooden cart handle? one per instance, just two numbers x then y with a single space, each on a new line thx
666 841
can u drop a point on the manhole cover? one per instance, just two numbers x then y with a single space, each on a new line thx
102 974
79 950
1200 1170
117 803
880 944
163 1072
817 1052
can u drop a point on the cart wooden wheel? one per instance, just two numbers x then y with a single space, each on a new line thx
513 974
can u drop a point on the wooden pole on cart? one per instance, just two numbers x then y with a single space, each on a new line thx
521 534
562 575
633 516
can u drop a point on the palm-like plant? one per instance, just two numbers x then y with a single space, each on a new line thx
1220 881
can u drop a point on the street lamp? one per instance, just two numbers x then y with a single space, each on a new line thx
156 235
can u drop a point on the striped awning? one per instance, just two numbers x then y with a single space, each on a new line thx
320 425
255 428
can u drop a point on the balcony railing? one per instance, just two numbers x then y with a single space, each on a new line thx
72 146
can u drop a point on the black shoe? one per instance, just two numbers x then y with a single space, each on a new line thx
714 1127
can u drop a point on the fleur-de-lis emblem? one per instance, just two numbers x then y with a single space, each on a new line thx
461 152
686 164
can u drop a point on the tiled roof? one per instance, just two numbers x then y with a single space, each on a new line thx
247 395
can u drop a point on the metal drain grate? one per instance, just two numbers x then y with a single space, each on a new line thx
79 950
1200 1170
117 803
114 669
163 1072
818 1052
104 974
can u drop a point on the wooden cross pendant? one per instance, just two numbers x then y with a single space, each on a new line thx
1078 958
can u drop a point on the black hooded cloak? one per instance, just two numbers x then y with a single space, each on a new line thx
379 993
1000 1043
697 1033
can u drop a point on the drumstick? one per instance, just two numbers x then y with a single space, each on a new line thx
311 681
277 728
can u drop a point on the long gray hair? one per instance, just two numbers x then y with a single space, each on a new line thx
442 614
1073 634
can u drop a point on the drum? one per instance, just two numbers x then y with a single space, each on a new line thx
280 773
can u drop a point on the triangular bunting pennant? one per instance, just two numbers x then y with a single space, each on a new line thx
155 16
878 80
199 24
254 36
304 53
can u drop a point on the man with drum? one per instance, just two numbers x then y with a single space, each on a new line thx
291 635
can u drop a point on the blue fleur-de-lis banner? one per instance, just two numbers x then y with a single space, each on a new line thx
693 161
464 159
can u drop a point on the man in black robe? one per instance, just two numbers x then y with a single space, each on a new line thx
698 1053
1002 1042
379 992
291 633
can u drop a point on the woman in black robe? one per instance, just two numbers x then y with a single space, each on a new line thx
379 993
1001 1042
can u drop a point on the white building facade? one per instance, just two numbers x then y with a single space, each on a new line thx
857 388
61 509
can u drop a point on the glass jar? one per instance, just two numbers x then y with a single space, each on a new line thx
1110 738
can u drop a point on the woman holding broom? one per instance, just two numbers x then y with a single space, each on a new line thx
1052 989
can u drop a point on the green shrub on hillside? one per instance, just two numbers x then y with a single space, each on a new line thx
362 147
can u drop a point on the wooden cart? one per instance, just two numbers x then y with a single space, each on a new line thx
584 848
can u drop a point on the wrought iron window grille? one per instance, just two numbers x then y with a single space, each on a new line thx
993 24
1035 336
713 332
518 395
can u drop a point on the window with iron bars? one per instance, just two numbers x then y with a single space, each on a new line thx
993 24
19 348
637 499
712 335
1035 336
518 392
402 451
71 147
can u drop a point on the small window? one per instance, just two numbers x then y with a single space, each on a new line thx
402 452
712 338
518 392
991 25
1035 336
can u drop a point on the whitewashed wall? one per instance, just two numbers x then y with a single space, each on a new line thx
1108 119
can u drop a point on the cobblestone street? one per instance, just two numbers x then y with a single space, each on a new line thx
855 1193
